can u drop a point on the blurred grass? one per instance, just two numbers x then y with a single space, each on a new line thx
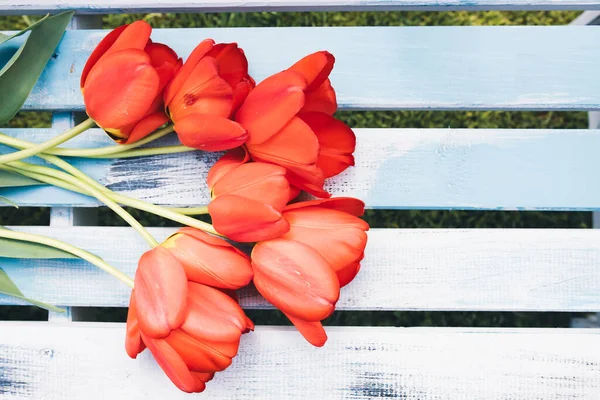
395 119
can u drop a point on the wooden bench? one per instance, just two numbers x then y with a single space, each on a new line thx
381 68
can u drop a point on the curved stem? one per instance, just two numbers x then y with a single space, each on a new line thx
190 210
172 215
101 152
99 194
63 137
92 258
152 151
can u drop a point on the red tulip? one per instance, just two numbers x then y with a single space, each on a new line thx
209 260
337 142
205 92
192 330
336 235
288 119
296 279
248 199
123 81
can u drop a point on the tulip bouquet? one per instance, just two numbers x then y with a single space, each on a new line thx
280 138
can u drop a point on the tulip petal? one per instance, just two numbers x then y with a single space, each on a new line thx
271 105
240 92
99 51
133 337
295 144
204 92
348 205
209 260
120 89
258 181
134 36
174 366
204 376
160 293
315 68
146 126
213 315
308 178
348 273
337 142
233 65
321 99
294 192
229 161
245 220
295 278
312 331
337 236
182 75
210 132
198 356
161 54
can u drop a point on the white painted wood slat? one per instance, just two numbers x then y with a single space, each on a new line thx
404 269
521 169
87 361
18 7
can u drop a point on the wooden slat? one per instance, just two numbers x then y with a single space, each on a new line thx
87 361
18 7
404 269
395 168
446 68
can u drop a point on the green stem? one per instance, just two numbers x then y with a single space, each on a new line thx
118 151
124 200
190 210
92 258
152 151
99 194
63 137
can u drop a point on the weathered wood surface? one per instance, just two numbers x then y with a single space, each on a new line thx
404 269
502 169
388 68
87 361
19 7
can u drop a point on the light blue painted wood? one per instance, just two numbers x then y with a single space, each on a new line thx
403 269
384 68
395 168
18 7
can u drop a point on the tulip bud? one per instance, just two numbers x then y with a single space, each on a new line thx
127 62
296 279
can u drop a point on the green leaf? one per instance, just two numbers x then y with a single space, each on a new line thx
10 248
11 179
19 75
7 286
4 38
8 201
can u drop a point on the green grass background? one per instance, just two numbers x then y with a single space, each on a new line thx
395 119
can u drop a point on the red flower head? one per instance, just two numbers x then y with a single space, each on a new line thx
248 199
296 279
123 81
333 229
206 92
192 330
289 120
302 271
